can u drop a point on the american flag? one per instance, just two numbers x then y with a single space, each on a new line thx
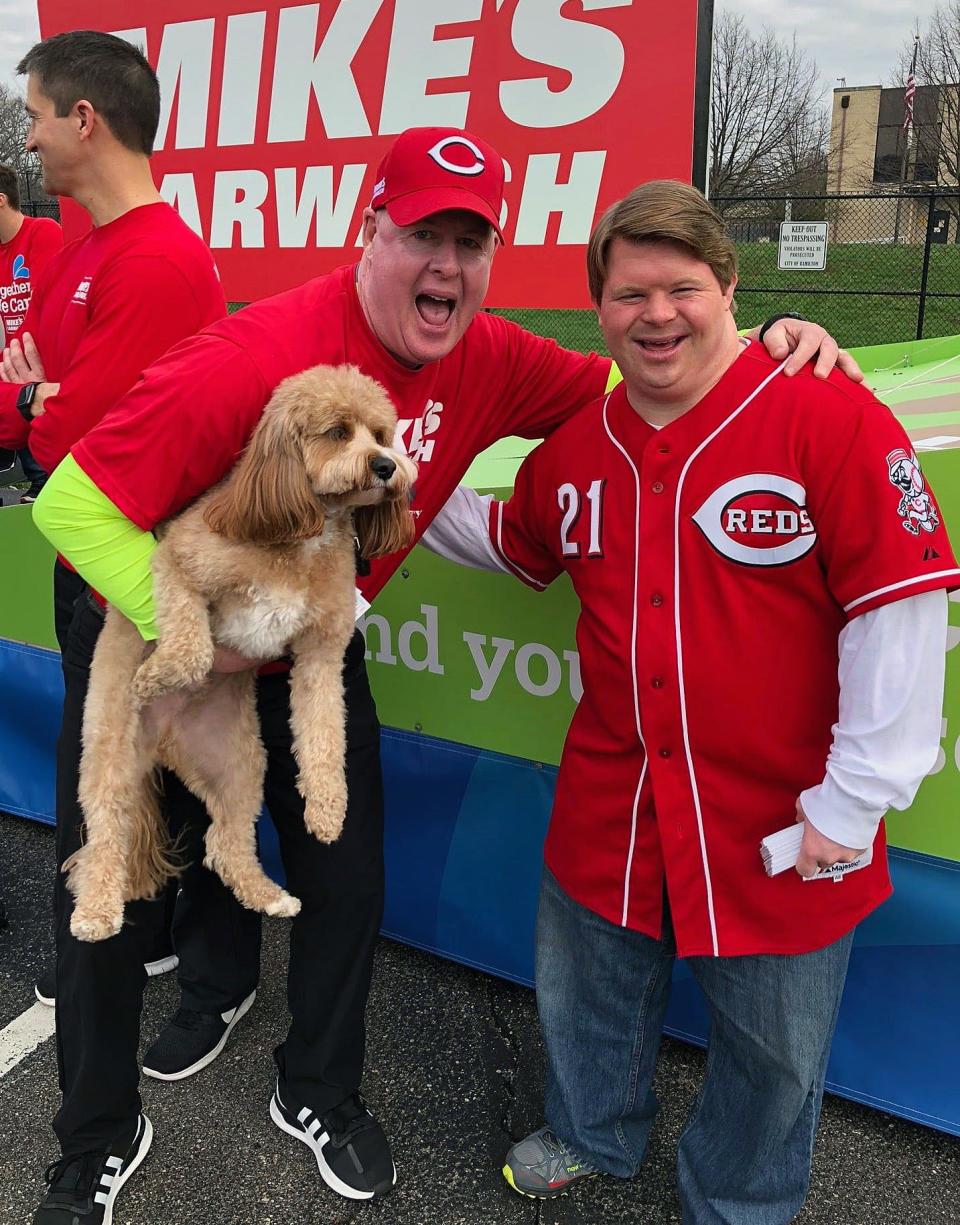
908 95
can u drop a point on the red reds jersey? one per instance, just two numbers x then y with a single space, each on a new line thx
22 261
107 306
182 427
716 561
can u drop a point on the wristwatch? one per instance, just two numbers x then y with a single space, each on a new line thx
776 319
25 399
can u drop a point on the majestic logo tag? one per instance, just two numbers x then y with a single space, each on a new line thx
916 507
758 520
438 150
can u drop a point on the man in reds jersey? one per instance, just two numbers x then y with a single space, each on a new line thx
733 536
108 304
409 315
26 246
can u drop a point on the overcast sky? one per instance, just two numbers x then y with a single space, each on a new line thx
859 39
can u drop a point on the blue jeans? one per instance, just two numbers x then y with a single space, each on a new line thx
602 991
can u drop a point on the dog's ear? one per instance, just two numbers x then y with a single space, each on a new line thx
385 527
267 498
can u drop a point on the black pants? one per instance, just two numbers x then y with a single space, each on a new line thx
100 985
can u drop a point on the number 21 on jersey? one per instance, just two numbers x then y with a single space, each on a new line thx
571 500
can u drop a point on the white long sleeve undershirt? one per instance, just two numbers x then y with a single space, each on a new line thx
891 670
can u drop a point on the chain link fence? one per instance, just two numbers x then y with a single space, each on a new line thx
892 263
41 208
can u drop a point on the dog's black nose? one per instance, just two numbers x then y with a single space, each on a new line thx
383 467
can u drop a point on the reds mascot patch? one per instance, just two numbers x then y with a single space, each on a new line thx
916 508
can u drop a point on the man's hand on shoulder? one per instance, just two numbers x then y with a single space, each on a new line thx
21 362
818 851
804 342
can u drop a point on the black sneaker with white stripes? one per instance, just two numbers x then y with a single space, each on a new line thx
352 1152
82 1190
191 1041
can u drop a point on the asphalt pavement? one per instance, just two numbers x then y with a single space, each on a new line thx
454 1072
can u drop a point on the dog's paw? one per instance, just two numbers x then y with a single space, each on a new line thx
283 907
325 821
160 675
92 928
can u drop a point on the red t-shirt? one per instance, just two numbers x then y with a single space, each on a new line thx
182 427
22 261
110 303
716 561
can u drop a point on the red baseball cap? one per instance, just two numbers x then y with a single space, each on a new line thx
427 170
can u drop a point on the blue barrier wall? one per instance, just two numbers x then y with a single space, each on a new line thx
463 865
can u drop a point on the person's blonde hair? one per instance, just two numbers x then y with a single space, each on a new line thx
664 210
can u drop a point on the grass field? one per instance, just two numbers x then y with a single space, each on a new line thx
861 318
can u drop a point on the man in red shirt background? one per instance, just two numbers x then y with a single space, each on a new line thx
762 640
26 246
107 305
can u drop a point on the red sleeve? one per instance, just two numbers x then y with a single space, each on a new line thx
14 429
178 431
45 242
543 385
881 532
143 305
517 527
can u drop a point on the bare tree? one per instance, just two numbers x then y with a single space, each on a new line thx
768 124
13 130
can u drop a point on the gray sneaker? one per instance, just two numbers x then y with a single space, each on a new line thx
542 1166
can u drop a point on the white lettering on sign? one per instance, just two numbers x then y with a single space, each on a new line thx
417 61
803 245
591 54
539 670
326 73
575 200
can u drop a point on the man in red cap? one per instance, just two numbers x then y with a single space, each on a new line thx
409 315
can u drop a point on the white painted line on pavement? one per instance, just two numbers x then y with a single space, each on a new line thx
25 1034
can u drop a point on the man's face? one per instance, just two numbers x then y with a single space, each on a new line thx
53 139
422 284
666 321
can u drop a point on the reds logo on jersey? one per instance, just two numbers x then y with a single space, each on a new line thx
758 520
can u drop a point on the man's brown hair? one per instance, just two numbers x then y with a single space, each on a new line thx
9 186
664 210
107 71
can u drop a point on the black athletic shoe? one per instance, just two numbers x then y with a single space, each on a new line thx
82 1190
191 1041
352 1152
45 988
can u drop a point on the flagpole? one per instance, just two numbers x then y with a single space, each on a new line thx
908 93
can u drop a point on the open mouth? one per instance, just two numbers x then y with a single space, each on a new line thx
661 347
435 309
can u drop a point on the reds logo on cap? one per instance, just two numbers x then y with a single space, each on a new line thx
432 170
758 520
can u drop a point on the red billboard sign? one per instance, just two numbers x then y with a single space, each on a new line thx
275 116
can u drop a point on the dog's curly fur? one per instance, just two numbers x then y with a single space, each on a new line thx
263 563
